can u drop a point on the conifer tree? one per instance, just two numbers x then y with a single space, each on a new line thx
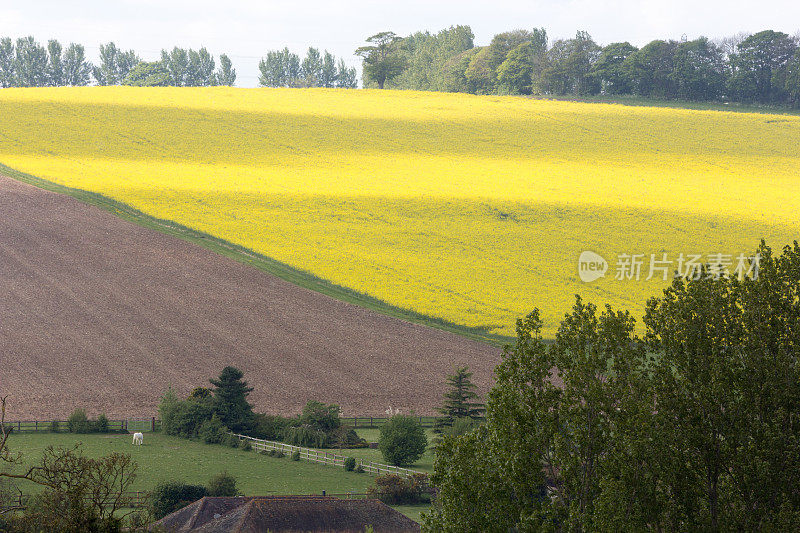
460 401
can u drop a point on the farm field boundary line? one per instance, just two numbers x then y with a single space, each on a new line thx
247 256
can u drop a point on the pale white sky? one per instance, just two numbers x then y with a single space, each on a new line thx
245 30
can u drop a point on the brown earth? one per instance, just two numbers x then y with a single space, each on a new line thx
100 313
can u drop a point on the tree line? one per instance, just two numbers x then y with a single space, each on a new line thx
27 63
282 68
761 68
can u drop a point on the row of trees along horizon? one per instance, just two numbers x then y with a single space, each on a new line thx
762 68
27 63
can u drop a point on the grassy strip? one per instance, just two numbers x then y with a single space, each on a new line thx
638 101
261 262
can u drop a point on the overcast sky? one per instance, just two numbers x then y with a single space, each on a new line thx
245 30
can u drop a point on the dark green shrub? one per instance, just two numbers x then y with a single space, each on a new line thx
296 455
345 437
402 440
222 484
307 437
230 400
55 426
78 422
279 454
184 418
349 464
396 490
213 431
101 424
270 427
320 416
245 445
359 469
232 441
171 496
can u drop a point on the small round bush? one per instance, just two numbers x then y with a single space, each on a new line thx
213 431
78 422
245 445
350 464
101 424
222 484
296 455
55 426
279 454
402 440
171 496
233 441
359 469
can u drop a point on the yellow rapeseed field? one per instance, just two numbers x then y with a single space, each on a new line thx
469 208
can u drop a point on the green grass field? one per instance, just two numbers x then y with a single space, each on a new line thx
163 458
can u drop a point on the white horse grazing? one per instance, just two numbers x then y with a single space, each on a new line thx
138 438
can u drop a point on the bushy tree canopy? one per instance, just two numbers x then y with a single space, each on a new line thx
691 428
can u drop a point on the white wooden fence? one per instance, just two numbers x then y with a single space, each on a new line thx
328 458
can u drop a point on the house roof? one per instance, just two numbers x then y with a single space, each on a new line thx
286 514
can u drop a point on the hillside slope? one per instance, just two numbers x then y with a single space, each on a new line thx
472 209
100 313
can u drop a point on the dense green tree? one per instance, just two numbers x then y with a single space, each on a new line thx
346 77
692 428
30 63
454 72
515 74
280 68
503 43
383 59
651 68
569 68
402 440
148 74
7 73
55 70
609 70
311 68
327 71
226 74
76 70
115 64
759 66
320 416
727 385
460 401
792 80
479 74
427 55
230 400
699 70
176 62
200 72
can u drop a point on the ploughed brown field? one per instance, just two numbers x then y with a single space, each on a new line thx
100 313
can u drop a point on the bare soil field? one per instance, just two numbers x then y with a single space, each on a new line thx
100 313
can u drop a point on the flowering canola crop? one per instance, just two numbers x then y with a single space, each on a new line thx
469 208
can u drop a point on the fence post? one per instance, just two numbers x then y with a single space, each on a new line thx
153 424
